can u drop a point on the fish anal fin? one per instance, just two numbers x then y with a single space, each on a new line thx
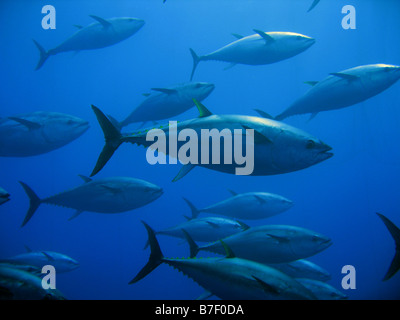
313 115
203 111
76 214
230 66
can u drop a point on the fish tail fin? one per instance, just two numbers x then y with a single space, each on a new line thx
195 211
156 255
113 139
194 248
43 55
34 202
196 60
395 233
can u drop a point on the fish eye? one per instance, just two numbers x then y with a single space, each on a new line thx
310 144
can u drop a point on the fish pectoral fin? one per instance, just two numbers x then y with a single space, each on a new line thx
78 26
27 248
268 39
49 257
183 172
311 83
84 178
212 224
279 238
260 199
258 137
111 189
103 22
266 287
346 76
237 36
29 124
165 90
77 213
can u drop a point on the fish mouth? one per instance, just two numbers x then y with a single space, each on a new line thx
4 198
158 192
327 243
324 154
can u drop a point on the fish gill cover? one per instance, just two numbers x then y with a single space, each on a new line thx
313 83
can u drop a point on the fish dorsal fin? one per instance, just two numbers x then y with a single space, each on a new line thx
49 257
212 224
203 111
243 225
346 76
279 238
165 90
27 249
266 287
311 83
258 137
84 178
194 248
264 114
228 251
29 124
268 39
184 171
104 22
78 26
76 214
395 233
260 199
233 193
237 36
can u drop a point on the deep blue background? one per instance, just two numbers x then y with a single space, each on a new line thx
338 197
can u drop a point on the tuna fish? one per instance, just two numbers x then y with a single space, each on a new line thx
30 134
273 244
303 269
206 229
322 290
395 233
228 278
278 147
17 284
61 262
107 195
168 102
4 196
102 33
343 89
250 205
258 49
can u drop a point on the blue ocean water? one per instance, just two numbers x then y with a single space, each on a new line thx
338 197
